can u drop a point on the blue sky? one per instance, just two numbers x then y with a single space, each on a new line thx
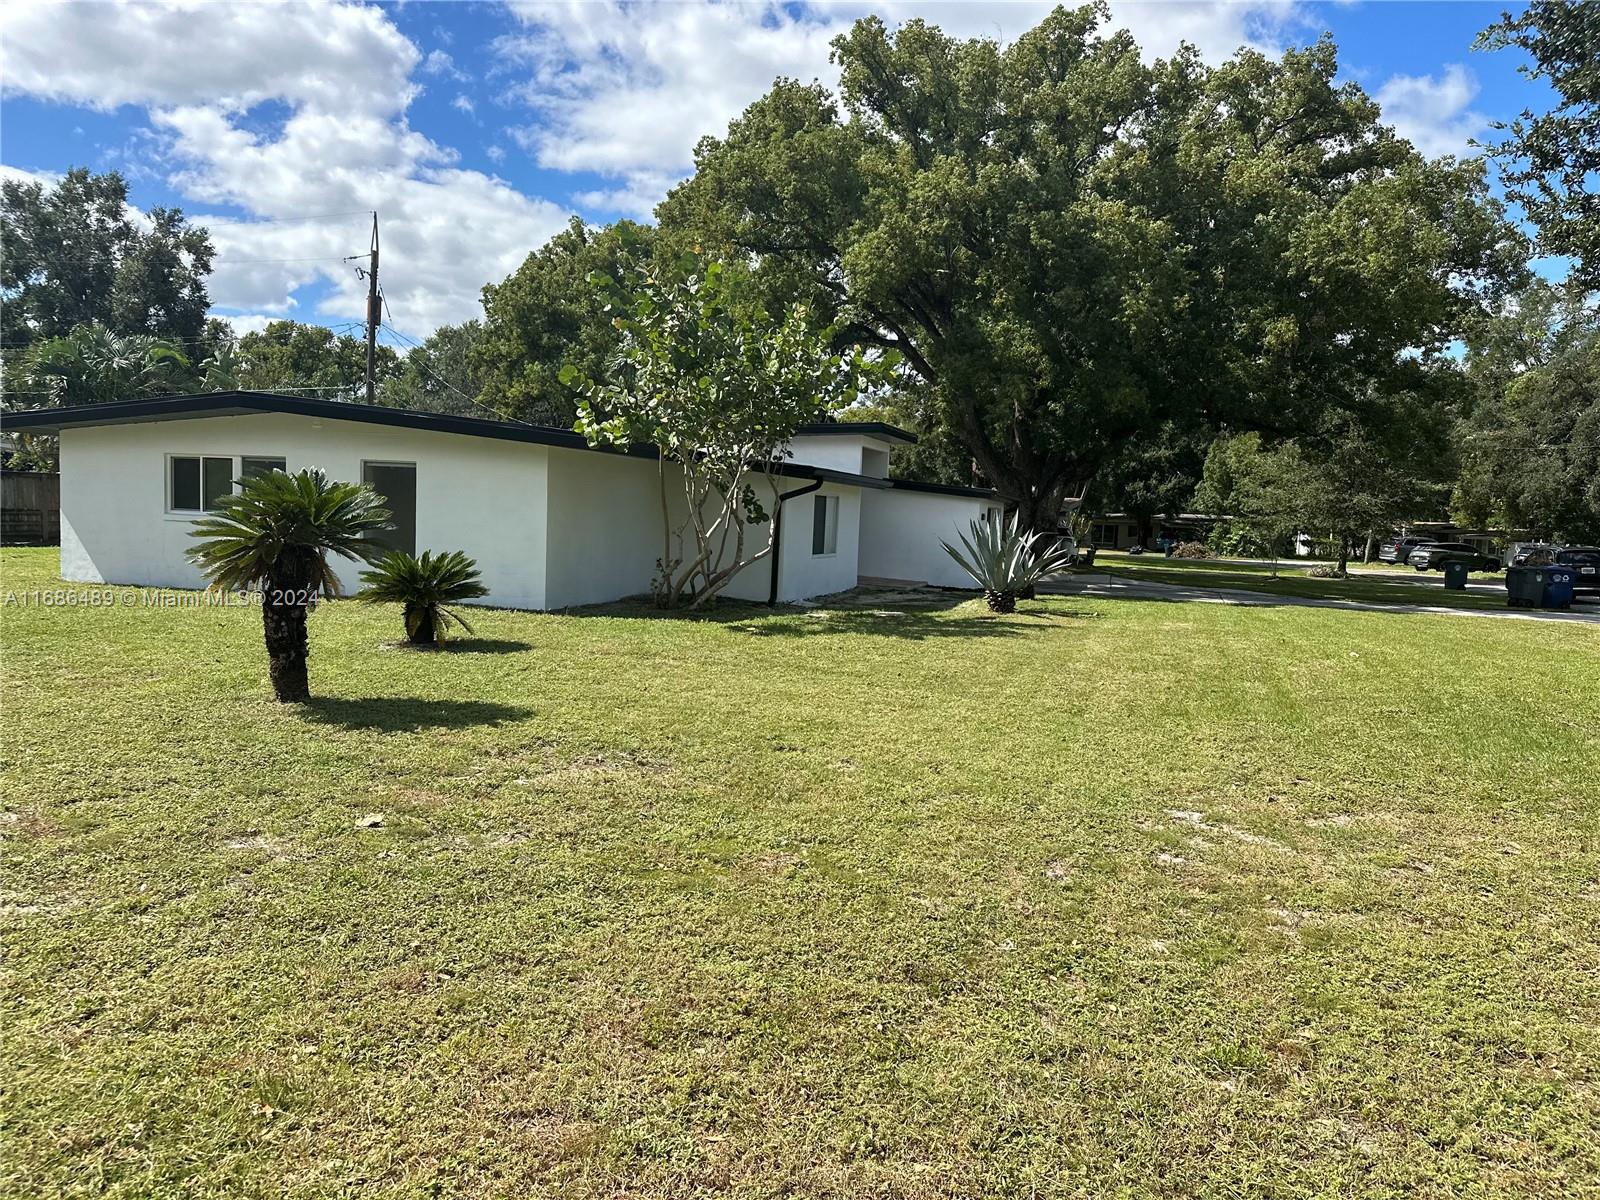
478 129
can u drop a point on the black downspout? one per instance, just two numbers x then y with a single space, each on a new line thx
777 535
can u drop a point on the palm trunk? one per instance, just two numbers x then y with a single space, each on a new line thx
425 632
284 626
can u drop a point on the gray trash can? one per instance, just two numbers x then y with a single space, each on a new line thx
1455 576
1539 587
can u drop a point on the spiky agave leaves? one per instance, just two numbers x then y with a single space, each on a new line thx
423 587
1004 561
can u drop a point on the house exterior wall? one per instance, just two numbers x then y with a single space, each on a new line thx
901 532
843 452
603 527
483 497
548 527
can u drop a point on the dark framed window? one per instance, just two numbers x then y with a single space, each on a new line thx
197 483
251 465
397 484
825 525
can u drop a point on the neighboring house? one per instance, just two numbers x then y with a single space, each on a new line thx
1118 531
551 521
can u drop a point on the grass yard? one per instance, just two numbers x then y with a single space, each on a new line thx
1105 898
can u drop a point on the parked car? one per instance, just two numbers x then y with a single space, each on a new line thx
1585 563
1432 556
1530 554
1397 550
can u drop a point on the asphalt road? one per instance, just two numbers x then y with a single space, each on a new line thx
1584 612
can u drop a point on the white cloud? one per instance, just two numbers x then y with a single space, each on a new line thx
244 323
332 56
1433 112
441 64
344 71
463 103
626 90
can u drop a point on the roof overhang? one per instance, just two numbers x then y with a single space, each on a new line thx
880 430
238 404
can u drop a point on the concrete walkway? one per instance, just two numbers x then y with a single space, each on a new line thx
1111 587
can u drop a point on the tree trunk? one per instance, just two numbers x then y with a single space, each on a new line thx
1370 549
1344 555
284 626
422 626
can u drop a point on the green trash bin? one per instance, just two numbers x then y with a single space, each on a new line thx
1455 576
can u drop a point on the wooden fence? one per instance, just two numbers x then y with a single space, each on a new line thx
30 508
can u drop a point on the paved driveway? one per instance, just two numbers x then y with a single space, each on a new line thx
1129 589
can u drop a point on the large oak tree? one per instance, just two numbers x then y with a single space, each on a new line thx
1069 245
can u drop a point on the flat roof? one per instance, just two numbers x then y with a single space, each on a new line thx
238 403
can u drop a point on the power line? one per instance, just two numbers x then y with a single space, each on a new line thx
415 345
245 262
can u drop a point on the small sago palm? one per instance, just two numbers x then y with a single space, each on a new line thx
1005 562
275 535
423 587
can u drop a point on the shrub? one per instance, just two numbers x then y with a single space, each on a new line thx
422 587
1004 562
1326 571
1191 550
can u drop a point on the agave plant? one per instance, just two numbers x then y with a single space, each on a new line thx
422 587
1006 562
276 535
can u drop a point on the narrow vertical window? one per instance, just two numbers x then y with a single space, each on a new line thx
397 484
825 525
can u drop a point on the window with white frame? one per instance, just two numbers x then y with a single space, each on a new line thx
199 482
825 526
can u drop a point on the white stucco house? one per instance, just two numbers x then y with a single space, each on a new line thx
551 522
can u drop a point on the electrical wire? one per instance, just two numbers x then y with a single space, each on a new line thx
415 345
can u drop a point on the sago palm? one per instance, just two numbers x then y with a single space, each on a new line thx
423 587
1004 561
275 535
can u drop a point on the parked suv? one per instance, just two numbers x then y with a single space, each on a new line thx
1432 556
1585 564
1397 549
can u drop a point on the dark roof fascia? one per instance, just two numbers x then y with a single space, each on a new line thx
943 489
235 404
875 429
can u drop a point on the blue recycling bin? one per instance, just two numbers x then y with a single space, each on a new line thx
1540 587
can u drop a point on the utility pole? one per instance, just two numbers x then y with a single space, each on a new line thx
374 313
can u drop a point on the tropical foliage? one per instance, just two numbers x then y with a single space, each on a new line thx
76 254
274 536
311 359
1070 245
718 386
1553 159
547 315
1006 560
424 587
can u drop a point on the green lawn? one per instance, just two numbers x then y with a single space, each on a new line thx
1291 580
1105 898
